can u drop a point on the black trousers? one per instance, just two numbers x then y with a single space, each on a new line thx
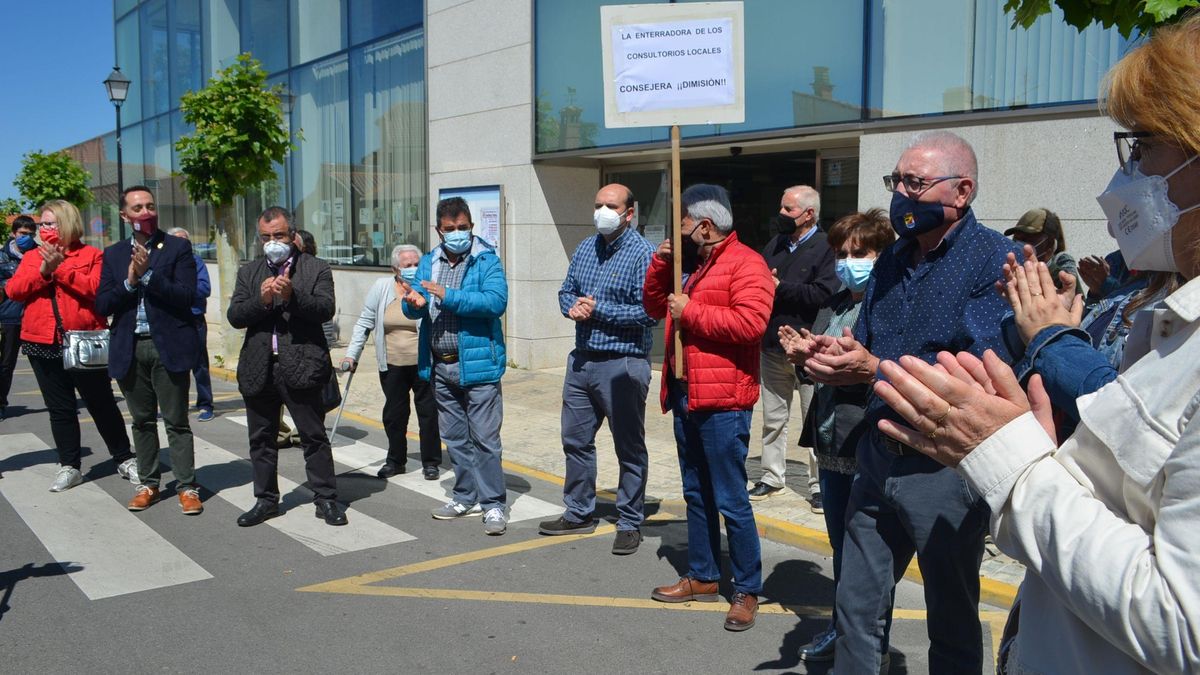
397 382
308 411
10 343
58 387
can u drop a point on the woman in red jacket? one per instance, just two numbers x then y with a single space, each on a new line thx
721 315
66 272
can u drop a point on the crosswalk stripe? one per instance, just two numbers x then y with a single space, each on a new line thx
364 456
107 550
219 466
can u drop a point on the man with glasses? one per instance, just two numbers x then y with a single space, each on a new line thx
281 299
933 291
19 243
147 286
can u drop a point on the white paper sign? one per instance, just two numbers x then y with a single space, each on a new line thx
684 64
667 64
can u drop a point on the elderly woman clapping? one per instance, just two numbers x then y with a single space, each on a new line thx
1105 523
396 352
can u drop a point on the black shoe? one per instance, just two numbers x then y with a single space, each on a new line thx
261 512
626 542
821 647
761 491
388 470
563 526
431 472
331 512
818 506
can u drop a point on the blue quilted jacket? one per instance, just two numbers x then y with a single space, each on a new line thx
479 304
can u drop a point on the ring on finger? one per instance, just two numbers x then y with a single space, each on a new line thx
932 435
938 420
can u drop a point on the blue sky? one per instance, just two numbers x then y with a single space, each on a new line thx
54 58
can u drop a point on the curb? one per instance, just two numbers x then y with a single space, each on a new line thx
992 592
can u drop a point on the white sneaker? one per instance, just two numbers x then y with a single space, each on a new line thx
494 522
128 469
452 509
67 478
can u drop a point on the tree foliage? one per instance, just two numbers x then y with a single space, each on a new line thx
239 133
1126 15
54 175
9 207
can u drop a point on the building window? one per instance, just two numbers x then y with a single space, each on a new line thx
187 62
265 32
318 29
321 164
370 19
155 48
388 177
129 59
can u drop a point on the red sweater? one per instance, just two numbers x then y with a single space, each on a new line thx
74 282
729 303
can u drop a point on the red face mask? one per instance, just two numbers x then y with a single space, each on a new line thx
49 235
147 224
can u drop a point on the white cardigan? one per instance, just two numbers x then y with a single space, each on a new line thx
382 293
1108 525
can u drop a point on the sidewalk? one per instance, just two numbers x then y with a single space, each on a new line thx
532 402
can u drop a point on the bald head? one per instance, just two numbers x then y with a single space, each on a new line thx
946 154
616 196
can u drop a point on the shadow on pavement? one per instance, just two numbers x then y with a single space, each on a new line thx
9 579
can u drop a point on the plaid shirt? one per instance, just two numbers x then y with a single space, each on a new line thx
445 324
613 274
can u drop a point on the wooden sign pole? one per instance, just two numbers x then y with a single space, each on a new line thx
676 244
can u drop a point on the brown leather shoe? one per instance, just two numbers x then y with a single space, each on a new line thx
686 590
189 501
742 610
143 498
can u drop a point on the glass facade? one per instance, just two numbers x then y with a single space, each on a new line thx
354 78
809 63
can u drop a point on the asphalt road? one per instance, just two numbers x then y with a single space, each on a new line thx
87 586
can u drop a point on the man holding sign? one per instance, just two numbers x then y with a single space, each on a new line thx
720 315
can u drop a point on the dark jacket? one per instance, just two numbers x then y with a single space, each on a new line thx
303 352
806 280
168 294
845 405
10 310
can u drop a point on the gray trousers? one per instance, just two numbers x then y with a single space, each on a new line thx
469 420
149 387
600 386
779 383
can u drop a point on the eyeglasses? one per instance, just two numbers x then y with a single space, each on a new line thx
1129 148
913 185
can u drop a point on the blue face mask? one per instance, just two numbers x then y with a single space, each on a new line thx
911 217
855 272
457 242
409 274
25 243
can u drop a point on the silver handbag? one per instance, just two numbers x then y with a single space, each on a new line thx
85 349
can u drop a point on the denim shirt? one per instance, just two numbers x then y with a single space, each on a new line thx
945 302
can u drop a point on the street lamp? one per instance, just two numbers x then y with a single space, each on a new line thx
118 88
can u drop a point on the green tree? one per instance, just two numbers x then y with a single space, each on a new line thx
239 136
1126 15
54 175
9 206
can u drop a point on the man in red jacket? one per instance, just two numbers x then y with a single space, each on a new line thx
721 316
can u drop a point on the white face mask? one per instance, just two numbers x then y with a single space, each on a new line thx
277 251
606 220
1141 217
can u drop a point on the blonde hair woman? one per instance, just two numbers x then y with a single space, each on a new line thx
1106 523
58 286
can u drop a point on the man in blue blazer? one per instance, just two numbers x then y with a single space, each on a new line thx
147 286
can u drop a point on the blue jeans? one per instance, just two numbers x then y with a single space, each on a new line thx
921 508
712 447
599 386
469 419
200 372
835 493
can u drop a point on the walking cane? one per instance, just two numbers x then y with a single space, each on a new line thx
345 396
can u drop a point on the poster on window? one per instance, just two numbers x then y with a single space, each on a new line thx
668 64
486 203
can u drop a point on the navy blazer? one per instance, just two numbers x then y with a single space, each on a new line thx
169 295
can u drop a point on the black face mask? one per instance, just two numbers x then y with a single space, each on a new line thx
784 224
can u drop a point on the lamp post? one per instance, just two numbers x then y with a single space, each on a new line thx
118 88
